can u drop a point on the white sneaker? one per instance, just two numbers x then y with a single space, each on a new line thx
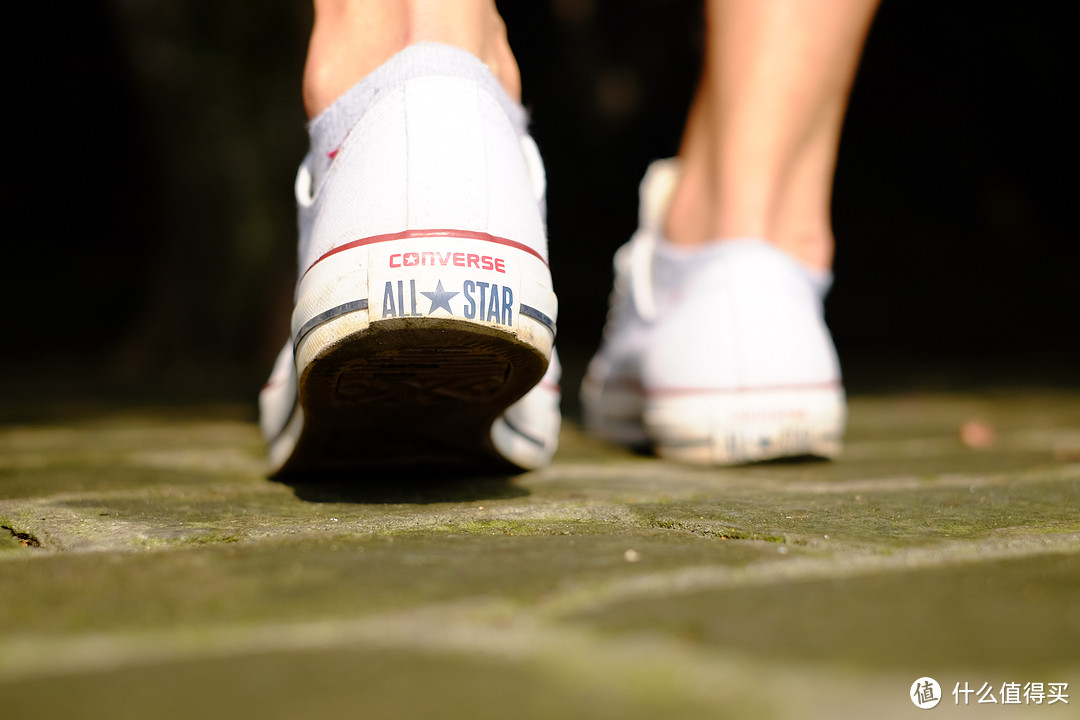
715 355
424 309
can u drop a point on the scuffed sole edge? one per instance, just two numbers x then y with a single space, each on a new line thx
415 353
738 427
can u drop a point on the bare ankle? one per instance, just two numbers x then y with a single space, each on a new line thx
813 248
351 38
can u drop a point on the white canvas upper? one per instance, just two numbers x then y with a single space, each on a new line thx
702 343
438 152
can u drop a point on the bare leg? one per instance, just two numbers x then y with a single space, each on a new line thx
353 37
759 148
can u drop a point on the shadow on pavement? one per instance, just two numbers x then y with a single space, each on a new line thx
413 486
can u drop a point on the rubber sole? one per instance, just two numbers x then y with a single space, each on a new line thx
738 427
410 392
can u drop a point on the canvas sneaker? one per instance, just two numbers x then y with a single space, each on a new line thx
714 355
424 314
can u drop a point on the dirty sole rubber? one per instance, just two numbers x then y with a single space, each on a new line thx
410 392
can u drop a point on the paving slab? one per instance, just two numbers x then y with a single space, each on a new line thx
150 567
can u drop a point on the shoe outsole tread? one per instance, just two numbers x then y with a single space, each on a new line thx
410 392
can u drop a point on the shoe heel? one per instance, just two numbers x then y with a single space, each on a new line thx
426 339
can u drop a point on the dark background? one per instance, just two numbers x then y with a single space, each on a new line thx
151 231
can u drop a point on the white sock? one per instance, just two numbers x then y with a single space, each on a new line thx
680 260
330 127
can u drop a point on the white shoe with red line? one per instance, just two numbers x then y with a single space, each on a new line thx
716 355
424 321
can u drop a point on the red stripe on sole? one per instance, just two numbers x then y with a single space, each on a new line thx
633 387
676 391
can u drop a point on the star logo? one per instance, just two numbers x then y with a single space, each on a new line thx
411 259
439 299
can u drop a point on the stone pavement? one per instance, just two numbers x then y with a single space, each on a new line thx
149 569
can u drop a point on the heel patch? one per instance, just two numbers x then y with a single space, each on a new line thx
447 278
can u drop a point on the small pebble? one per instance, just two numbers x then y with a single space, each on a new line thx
631 555
977 434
